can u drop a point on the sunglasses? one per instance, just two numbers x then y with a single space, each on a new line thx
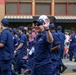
37 24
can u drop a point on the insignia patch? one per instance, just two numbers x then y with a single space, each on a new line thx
40 39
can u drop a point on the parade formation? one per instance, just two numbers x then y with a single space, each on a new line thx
38 52
37 37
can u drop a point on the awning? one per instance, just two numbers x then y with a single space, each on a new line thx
65 19
26 18
19 18
54 19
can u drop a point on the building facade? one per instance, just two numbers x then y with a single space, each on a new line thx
61 12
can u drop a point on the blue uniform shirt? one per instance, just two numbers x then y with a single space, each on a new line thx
55 54
73 42
62 37
23 39
42 50
15 40
7 50
32 43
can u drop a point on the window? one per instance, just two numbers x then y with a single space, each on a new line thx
26 8
11 8
43 8
72 9
19 8
60 9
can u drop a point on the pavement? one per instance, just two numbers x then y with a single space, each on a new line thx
68 74
70 65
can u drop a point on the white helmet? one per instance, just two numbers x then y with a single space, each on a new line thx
43 17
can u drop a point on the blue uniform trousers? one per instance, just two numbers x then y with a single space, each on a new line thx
74 52
61 54
71 53
30 61
20 63
42 70
56 68
5 68
60 59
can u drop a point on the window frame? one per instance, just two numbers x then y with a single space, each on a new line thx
9 3
18 10
65 11
68 5
44 3
25 3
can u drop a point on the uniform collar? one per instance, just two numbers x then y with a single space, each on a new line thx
59 31
6 29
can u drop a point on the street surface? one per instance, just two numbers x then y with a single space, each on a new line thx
70 65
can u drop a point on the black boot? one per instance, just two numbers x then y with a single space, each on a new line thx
75 60
74 70
70 59
63 68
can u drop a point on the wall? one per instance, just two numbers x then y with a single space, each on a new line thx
2 9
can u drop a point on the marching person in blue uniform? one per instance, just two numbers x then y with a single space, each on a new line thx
61 51
15 39
55 50
62 36
31 47
21 51
73 44
72 47
6 49
42 61
15 44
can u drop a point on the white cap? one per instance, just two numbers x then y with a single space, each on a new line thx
43 17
